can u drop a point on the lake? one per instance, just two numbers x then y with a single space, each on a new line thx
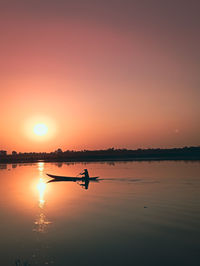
139 213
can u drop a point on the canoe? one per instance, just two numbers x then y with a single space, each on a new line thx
71 178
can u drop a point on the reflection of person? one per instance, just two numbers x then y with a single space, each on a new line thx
86 184
85 173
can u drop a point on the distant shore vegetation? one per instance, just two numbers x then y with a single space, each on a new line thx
186 153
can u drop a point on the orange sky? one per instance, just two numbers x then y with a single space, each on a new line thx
100 74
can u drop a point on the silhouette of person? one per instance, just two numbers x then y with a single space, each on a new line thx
85 173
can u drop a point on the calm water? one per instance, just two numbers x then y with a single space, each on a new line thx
141 213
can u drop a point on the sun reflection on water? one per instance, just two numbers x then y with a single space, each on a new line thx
41 167
41 186
41 221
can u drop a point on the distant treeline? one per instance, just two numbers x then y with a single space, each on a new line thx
186 153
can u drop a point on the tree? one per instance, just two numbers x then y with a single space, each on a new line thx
58 151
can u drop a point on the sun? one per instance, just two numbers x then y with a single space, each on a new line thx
40 129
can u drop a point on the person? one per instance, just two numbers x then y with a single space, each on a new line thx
85 173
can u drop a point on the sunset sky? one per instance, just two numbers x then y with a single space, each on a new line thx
99 74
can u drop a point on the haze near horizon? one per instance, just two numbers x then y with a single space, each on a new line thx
98 74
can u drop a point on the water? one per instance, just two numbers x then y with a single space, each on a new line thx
139 213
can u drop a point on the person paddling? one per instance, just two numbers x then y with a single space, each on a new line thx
85 173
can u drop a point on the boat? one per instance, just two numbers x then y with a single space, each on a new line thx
85 179
71 178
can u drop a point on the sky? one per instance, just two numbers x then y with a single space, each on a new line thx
99 74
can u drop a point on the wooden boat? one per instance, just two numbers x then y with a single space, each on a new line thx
70 178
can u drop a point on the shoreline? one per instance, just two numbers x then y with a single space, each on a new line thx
146 159
175 154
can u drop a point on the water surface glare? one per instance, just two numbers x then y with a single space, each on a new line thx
139 213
